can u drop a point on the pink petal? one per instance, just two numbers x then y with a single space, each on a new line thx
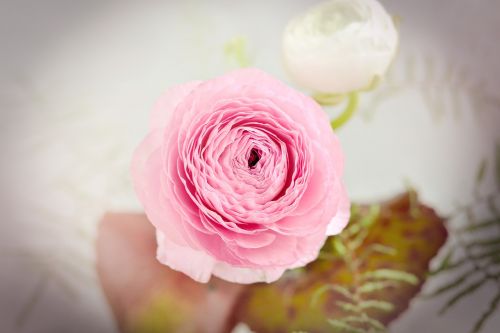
165 106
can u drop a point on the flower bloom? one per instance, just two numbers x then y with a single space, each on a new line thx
241 177
339 46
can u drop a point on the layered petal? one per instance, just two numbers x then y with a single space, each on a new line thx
241 176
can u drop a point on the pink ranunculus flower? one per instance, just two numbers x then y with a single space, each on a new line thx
241 177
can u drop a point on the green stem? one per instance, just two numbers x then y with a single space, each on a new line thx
350 109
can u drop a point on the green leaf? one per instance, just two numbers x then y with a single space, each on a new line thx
343 291
377 248
453 284
445 263
482 225
335 288
487 254
481 171
371 217
497 164
383 249
370 287
358 239
461 294
492 206
348 307
365 320
481 243
344 327
445 267
484 317
390 274
375 304
339 246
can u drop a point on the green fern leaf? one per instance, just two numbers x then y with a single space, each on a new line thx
446 267
377 305
358 239
329 287
453 284
487 254
486 315
339 247
464 292
390 274
348 307
370 287
497 164
445 263
383 249
489 242
371 217
344 327
482 225
364 320
481 171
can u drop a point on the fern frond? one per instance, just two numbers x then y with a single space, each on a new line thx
449 266
330 287
497 164
390 274
481 225
481 251
486 254
377 248
363 303
358 239
343 327
339 246
377 305
453 284
481 171
365 320
486 315
370 287
371 217
348 307
383 249
461 294
484 243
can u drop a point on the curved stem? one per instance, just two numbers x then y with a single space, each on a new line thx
350 109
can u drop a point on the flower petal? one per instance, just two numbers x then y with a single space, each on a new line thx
246 275
341 218
164 107
196 264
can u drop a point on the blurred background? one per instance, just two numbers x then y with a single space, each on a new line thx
77 81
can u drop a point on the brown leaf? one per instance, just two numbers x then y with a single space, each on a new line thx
384 266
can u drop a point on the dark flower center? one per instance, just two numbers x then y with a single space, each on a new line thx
253 158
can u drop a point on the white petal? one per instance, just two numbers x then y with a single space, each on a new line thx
340 46
246 275
340 220
196 264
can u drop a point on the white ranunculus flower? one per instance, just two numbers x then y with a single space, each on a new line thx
339 46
